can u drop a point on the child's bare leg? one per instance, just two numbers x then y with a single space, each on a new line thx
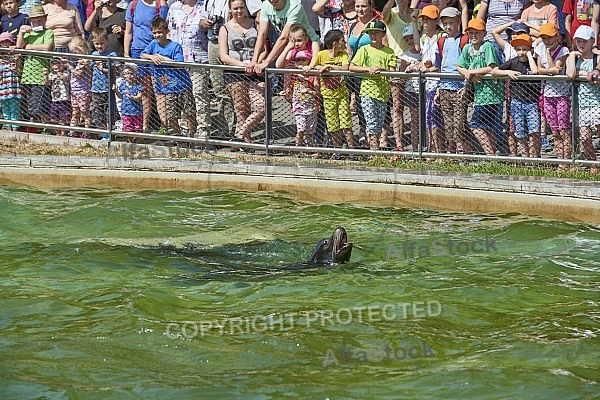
512 143
373 142
300 138
587 146
414 128
161 107
336 138
192 124
174 122
147 93
487 140
75 116
566 139
350 138
523 145
87 118
535 145
398 114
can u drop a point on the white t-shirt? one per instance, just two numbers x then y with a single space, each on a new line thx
553 88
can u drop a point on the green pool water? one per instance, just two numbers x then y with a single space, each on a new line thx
109 294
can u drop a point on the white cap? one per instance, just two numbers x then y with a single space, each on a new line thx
584 32
408 31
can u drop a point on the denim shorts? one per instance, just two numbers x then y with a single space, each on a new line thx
526 118
485 117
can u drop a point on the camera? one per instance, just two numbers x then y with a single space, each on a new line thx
217 23
105 3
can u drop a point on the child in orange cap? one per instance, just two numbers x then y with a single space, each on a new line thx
556 104
478 58
427 45
524 96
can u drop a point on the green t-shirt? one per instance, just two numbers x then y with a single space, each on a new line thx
488 91
375 86
292 13
332 86
33 68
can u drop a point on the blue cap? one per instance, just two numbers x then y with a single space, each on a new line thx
408 31
518 27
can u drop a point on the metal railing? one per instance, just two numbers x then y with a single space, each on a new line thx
275 134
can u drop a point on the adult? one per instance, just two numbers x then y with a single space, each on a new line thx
279 15
397 17
365 12
335 14
138 17
215 14
313 18
63 19
184 18
500 12
236 44
112 18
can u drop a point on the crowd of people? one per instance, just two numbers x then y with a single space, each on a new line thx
504 38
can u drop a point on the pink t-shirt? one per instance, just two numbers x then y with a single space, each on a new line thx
65 23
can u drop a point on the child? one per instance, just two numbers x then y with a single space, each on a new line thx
374 90
301 53
81 85
427 44
524 97
551 57
512 28
451 93
10 85
174 83
100 82
36 37
130 91
11 22
333 88
579 63
410 61
479 58
58 80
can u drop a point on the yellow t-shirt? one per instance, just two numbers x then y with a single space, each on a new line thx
332 86
394 33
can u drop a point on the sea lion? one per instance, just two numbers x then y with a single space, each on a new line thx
332 250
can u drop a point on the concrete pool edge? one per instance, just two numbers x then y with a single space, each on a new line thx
580 203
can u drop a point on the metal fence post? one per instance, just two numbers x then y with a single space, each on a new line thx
111 100
268 110
574 115
422 114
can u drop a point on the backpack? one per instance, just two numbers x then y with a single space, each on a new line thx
134 5
464 39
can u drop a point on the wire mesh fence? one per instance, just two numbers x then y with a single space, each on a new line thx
337 115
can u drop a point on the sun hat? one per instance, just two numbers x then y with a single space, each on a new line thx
303 55
450 12
408 31
476 24
521 40
549 29
37 11
430 11
375 25
517 27
6 36
584 32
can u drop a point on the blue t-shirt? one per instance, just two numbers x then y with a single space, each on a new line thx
169 79
142 18
129 106
99 78
12 24
447 63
